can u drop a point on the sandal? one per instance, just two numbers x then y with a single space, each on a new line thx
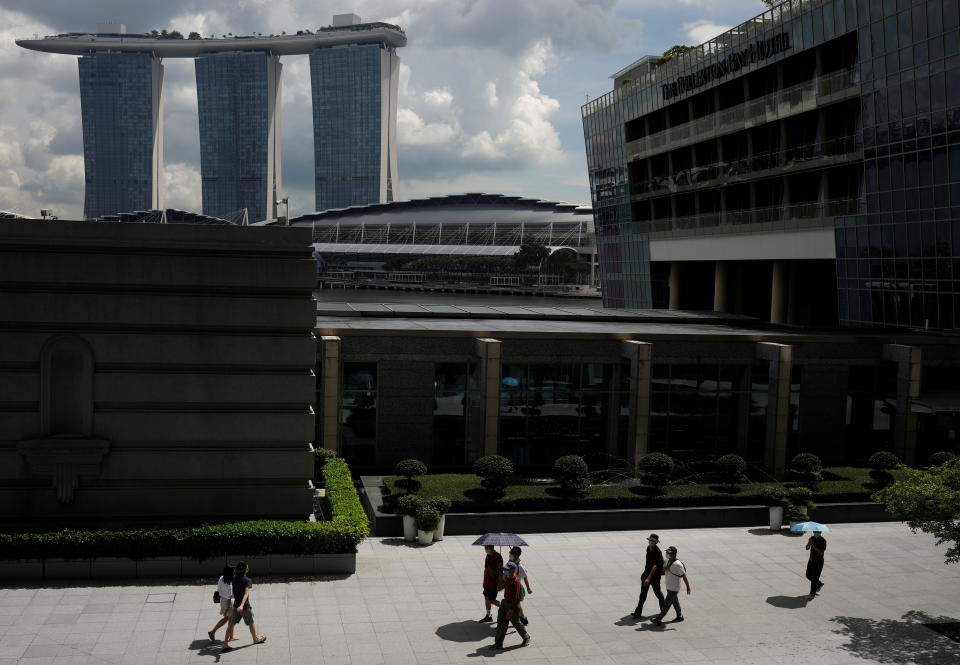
211 636
260 641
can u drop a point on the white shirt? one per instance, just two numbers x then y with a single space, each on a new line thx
521 572
225 589
673 573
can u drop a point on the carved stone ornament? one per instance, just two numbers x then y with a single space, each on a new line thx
64 460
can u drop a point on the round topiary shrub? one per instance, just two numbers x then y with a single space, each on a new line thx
440 503
942 457
409 504
807 467
655 469
495 470
883 461
731 468
571 471
410 469
427 519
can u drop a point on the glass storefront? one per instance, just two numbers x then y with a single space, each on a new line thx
455 414
550 410
358 413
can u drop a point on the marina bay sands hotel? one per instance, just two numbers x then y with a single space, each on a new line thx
354 72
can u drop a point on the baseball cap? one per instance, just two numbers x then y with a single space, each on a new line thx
510 565
671 550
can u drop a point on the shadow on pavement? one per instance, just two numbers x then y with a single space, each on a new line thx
400 542
765 531
788 602
906 640
466 631
629 620
207 648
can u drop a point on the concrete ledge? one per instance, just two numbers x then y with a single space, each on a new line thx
172 567
459 524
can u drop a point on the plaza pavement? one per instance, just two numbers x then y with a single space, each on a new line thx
410 605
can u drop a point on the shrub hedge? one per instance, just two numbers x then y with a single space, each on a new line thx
341 535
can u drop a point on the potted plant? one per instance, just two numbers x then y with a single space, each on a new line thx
442 505
427 521
775 498
409 505
800 504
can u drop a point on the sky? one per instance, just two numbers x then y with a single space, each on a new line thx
490 90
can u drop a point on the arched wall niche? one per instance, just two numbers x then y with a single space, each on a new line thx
66 388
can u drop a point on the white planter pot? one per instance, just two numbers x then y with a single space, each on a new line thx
438 534
409 528
776 518
424 537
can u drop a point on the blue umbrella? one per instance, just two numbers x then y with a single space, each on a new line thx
811 526
500 540
510 382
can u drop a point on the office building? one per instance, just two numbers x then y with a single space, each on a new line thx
120 96
238 103
803 167
355 121
354 72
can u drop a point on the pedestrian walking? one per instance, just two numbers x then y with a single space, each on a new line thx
524 581
492 567
674 571
225 593
651 575
817 545
509 610
242 607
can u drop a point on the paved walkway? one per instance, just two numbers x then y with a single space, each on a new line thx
409 605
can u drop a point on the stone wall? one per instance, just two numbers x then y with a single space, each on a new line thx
162 371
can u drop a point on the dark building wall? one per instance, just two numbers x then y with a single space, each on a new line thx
189 354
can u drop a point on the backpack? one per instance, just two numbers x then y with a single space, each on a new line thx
686 570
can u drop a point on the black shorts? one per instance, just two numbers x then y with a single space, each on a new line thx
490 592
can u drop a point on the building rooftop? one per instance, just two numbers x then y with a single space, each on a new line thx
81 43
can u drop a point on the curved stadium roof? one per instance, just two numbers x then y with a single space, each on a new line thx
472 207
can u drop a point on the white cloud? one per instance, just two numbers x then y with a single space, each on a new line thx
490 94
703 31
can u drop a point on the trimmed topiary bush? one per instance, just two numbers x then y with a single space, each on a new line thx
410 469
655 469
320 457
428 519
807 467
440 503
881 463
409 504
495 470
571 472
732 468
942 457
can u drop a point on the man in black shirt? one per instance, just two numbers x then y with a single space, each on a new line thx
651 574
242 607
817 545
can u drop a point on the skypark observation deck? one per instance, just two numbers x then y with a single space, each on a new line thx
76 43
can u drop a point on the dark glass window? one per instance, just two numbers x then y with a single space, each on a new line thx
358 413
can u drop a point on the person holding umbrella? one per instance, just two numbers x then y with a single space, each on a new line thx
817 545
492 565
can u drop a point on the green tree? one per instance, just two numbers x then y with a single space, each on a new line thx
928 500
566 263
194 35
675 50
530 255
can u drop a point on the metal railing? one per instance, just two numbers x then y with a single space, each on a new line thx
787 217
780 104
812 154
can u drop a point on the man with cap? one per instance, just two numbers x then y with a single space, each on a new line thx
509 610
674 571
651 575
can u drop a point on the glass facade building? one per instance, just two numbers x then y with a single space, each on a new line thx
835 115
238 103
354 124
122 131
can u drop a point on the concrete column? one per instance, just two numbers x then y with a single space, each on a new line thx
720 287
490 355
673 285
793 293
780 357
778 293
328 402
738 288
909 366
640 356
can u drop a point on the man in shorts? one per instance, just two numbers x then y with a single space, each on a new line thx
492 566
242 607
